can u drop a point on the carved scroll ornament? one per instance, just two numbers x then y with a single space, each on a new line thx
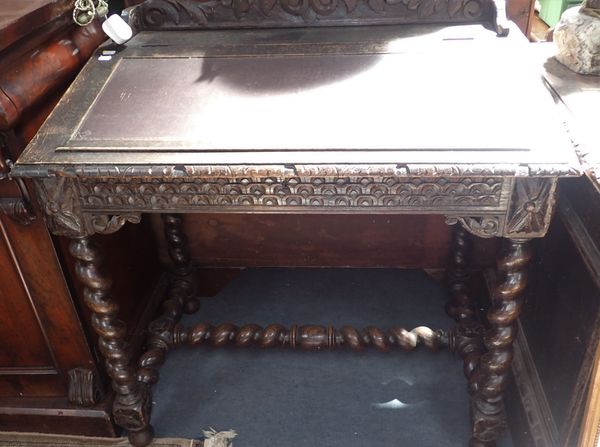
482 226
168 14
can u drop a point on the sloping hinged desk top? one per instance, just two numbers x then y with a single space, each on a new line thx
410 119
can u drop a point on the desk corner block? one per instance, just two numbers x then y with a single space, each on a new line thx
530 211
60 199
531 208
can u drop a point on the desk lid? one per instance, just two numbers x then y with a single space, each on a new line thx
446 99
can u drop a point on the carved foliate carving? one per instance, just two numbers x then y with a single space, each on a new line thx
169 14
60 199
294 192
531 207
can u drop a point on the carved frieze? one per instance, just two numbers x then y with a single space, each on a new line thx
169 14
80 206
320 193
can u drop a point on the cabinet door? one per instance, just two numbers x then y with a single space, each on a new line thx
41 338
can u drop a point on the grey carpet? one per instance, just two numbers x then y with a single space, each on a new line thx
275 398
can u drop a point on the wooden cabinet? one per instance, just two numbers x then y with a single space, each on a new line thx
49 378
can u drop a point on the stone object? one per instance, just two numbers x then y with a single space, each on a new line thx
577 36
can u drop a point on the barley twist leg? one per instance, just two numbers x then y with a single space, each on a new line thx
132 404
183 281
467 335
494 366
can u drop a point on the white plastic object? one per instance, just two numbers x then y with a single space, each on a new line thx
117 29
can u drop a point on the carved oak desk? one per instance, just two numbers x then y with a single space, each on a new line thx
372 119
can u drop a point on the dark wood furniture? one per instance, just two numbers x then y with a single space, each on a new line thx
287 116
47 385
42 379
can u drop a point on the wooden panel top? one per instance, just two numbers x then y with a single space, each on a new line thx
396 95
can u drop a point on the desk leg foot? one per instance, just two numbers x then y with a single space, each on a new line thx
132 404
180 256
141 438
490 379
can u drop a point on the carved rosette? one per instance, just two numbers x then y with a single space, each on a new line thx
531 207
169 14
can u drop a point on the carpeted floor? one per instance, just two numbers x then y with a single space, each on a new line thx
275 398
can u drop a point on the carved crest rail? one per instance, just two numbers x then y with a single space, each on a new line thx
186 14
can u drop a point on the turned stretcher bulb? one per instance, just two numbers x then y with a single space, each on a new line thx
117 29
